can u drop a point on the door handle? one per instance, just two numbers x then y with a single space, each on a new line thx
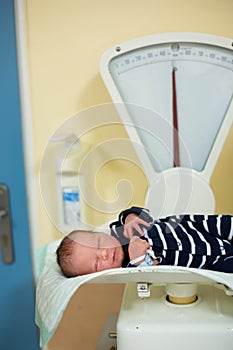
6 243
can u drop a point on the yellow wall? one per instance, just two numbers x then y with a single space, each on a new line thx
65 42
66 39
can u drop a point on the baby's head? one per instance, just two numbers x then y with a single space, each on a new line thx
83 252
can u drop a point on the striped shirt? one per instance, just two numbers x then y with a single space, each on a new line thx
182 240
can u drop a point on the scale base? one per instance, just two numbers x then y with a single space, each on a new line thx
156 322
179 191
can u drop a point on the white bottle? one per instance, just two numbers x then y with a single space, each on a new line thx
71 205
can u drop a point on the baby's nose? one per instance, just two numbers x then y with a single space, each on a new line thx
104 253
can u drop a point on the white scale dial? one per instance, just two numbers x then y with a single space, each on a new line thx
199 77
173 92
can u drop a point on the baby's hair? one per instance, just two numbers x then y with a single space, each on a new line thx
64 253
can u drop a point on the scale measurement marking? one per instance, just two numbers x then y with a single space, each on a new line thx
161 55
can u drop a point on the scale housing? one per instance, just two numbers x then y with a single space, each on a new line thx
138 76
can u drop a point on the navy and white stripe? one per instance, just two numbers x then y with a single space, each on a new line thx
185 240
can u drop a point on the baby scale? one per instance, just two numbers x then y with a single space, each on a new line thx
173 93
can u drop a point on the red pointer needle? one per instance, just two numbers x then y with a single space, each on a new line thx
176 150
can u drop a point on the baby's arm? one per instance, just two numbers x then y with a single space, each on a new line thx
137 250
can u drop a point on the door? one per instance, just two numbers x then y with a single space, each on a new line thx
17 327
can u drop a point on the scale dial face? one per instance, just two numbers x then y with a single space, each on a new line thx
188 83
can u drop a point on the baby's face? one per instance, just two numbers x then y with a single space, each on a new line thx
95 252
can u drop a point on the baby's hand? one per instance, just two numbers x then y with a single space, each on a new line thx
137 248
132 225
